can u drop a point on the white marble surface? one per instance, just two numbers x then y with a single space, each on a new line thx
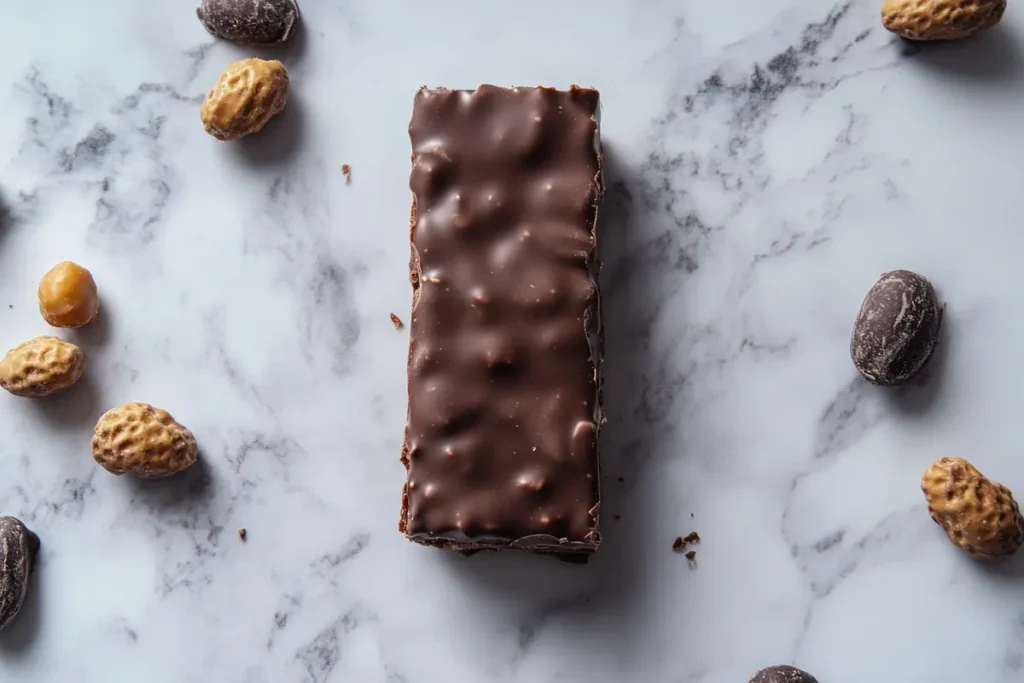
767 160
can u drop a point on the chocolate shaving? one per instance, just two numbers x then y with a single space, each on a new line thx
396 321
346 171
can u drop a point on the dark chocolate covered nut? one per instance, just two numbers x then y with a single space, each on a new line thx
250 22
18 548
897 328
783 674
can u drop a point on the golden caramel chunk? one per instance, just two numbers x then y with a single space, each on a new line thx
138 439
978 515
249 93
40 367
940 19
67 296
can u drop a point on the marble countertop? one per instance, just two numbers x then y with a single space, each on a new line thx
766 161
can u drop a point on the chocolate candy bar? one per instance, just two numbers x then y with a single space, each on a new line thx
505 337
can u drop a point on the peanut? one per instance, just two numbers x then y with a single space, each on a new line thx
40 367
940 19
978 515
249 93
138 439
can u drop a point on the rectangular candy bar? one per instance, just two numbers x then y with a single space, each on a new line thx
505 338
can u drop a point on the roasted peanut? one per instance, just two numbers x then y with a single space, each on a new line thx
40 367
138 439
249 93
940 19
978 515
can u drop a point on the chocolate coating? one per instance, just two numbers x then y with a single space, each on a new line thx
250 22
782 674
18 548
504 355
897 328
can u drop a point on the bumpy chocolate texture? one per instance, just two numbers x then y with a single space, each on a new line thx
505 336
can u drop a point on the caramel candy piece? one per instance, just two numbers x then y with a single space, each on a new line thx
67 296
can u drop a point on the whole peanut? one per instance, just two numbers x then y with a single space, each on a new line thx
41 367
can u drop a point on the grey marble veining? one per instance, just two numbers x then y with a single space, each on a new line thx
766 160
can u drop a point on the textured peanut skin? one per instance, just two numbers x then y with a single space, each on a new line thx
40 367
940 19
138 439
249 93
978 515
250 22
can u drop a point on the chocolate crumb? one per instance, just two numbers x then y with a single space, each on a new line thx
621 480
346 171
618 517
683 541
241 533
691 556
396 321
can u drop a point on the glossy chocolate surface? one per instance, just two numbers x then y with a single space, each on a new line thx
504 359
